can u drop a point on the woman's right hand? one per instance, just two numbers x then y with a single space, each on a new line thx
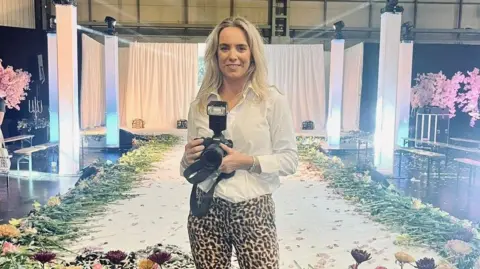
193 150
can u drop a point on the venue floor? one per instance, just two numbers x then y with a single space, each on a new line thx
16 200
460 199
315 226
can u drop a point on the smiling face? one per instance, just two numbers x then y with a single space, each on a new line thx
233 53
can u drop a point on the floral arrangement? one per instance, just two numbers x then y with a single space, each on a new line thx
469 100
436 90
13 85
38 240
29 124
401 258
458 241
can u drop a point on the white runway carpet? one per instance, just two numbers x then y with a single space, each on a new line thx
315 227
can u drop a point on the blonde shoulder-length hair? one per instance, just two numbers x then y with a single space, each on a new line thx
257 72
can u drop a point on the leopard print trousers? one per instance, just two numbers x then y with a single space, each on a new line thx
248 226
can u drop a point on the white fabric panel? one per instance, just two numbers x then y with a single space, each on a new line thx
299 72
17 13
162 82
352 88
123 57
93 84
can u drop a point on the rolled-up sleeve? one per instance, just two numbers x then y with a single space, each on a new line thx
191 132
284 160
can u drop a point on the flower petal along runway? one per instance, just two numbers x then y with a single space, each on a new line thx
316 227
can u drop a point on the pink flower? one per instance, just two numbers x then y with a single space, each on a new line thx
97 266
13 85
9 248
469 100
436 90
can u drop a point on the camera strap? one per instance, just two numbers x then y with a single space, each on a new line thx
195 174
200 208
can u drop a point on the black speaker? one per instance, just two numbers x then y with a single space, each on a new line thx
308 125
182 124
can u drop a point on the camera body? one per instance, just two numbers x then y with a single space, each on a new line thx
213 154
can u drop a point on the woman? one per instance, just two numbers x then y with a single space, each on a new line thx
242 214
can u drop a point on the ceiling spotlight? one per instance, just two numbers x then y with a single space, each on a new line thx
65 2
52 23
338 26
111 22
392 6
407 34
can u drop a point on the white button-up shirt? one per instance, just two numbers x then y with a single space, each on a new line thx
262 129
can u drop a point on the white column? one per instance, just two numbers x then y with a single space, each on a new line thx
403 92
111 91
69 131
387 92
334 120
53 86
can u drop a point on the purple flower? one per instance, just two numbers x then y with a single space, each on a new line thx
160 257
116 256
44 256
360 256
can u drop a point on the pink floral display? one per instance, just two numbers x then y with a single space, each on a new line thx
13 85
469 100
435 90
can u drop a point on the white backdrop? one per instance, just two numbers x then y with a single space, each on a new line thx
162 81
93 84
299 72
352 88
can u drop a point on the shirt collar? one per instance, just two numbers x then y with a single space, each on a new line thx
247 90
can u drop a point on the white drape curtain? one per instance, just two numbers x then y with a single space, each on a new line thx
123 60
17 13
299 72
352 88
162 81
93 84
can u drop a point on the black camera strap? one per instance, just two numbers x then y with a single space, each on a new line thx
195 174
200 208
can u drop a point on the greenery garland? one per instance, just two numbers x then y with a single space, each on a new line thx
458 241
30 242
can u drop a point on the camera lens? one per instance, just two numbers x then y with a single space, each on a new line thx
212 156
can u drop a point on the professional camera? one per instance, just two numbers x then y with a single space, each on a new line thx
212 156
210 159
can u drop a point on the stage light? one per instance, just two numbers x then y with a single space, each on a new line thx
52 24
65 2
338 26
407 34
392 7
111 23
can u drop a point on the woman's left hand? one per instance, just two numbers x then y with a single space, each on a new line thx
234 160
